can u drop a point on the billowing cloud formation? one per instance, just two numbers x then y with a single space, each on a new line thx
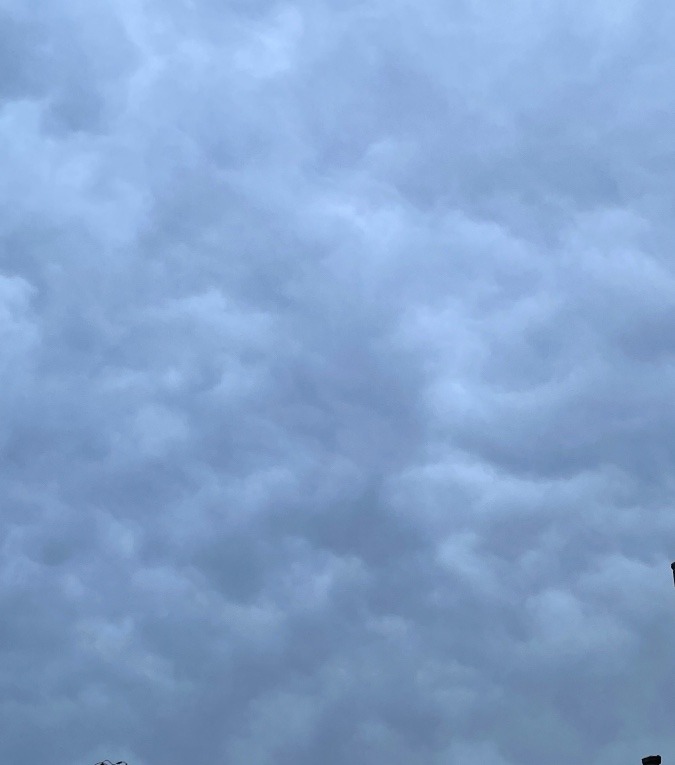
337 348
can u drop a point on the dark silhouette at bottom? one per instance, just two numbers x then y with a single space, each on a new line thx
653 759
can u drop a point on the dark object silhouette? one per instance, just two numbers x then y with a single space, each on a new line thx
653 759
121 762
672 565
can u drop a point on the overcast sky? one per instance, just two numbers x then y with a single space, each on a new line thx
337 363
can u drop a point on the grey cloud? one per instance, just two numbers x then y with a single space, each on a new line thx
336 382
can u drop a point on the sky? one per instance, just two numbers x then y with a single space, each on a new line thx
337 349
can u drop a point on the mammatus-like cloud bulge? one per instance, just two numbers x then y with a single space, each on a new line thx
336 347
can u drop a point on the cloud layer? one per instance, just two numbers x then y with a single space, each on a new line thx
336 347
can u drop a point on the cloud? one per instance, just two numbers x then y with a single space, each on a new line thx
336 353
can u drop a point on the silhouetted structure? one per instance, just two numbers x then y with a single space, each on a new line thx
121 762
672 565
